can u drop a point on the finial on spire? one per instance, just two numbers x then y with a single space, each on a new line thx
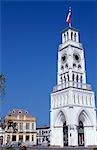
68 20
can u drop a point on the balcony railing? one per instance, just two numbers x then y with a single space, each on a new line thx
71 84
69 42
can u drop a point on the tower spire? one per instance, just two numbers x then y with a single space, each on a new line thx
68 20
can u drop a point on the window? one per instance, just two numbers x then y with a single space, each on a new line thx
21 126
64 37
39 132
64 78
61 80
66 66
75 37
68 77
27 137
32 126
14 138
74 65
81 79
32 137
27 126
67 36
71 35
79 66
73 77
42 132
62 67
20 137
77 78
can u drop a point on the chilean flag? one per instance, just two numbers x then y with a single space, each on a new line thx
68 20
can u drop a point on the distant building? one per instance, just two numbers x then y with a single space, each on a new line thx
1 136
20 127
43 135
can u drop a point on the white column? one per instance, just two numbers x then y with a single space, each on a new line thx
17 137
30 137
24 137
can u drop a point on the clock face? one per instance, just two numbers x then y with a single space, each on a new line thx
63 58
76 57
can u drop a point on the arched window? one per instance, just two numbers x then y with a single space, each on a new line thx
75 37
66 66
81 134
61 80
81 79
68 77
67 36
77 78
74 65
79 66
71 35
64 37
65 134
73 77
62 67
64 78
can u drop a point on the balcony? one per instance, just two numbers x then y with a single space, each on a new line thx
73 85
69 42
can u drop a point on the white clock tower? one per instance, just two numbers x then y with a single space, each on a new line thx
73 110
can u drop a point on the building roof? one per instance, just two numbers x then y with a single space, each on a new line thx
70 28
15 113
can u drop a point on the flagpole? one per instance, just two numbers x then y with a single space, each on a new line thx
70 18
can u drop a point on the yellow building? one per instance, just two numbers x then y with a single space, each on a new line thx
20 127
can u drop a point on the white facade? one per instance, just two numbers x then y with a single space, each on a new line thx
43 136
73 110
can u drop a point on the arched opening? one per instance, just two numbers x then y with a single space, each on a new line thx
77 78
61 80
68 77
64 78
71 35
65 134
60 122
73 77
75 37
64 37
81 134
81 79
74 65
84 120
67 36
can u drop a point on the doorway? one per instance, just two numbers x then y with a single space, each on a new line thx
81 134
65 134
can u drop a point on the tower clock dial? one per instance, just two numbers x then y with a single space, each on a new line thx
76 57
64 58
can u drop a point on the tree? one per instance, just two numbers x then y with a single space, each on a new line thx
2 81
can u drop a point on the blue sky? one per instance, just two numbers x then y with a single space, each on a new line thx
30 35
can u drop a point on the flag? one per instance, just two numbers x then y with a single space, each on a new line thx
68 20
